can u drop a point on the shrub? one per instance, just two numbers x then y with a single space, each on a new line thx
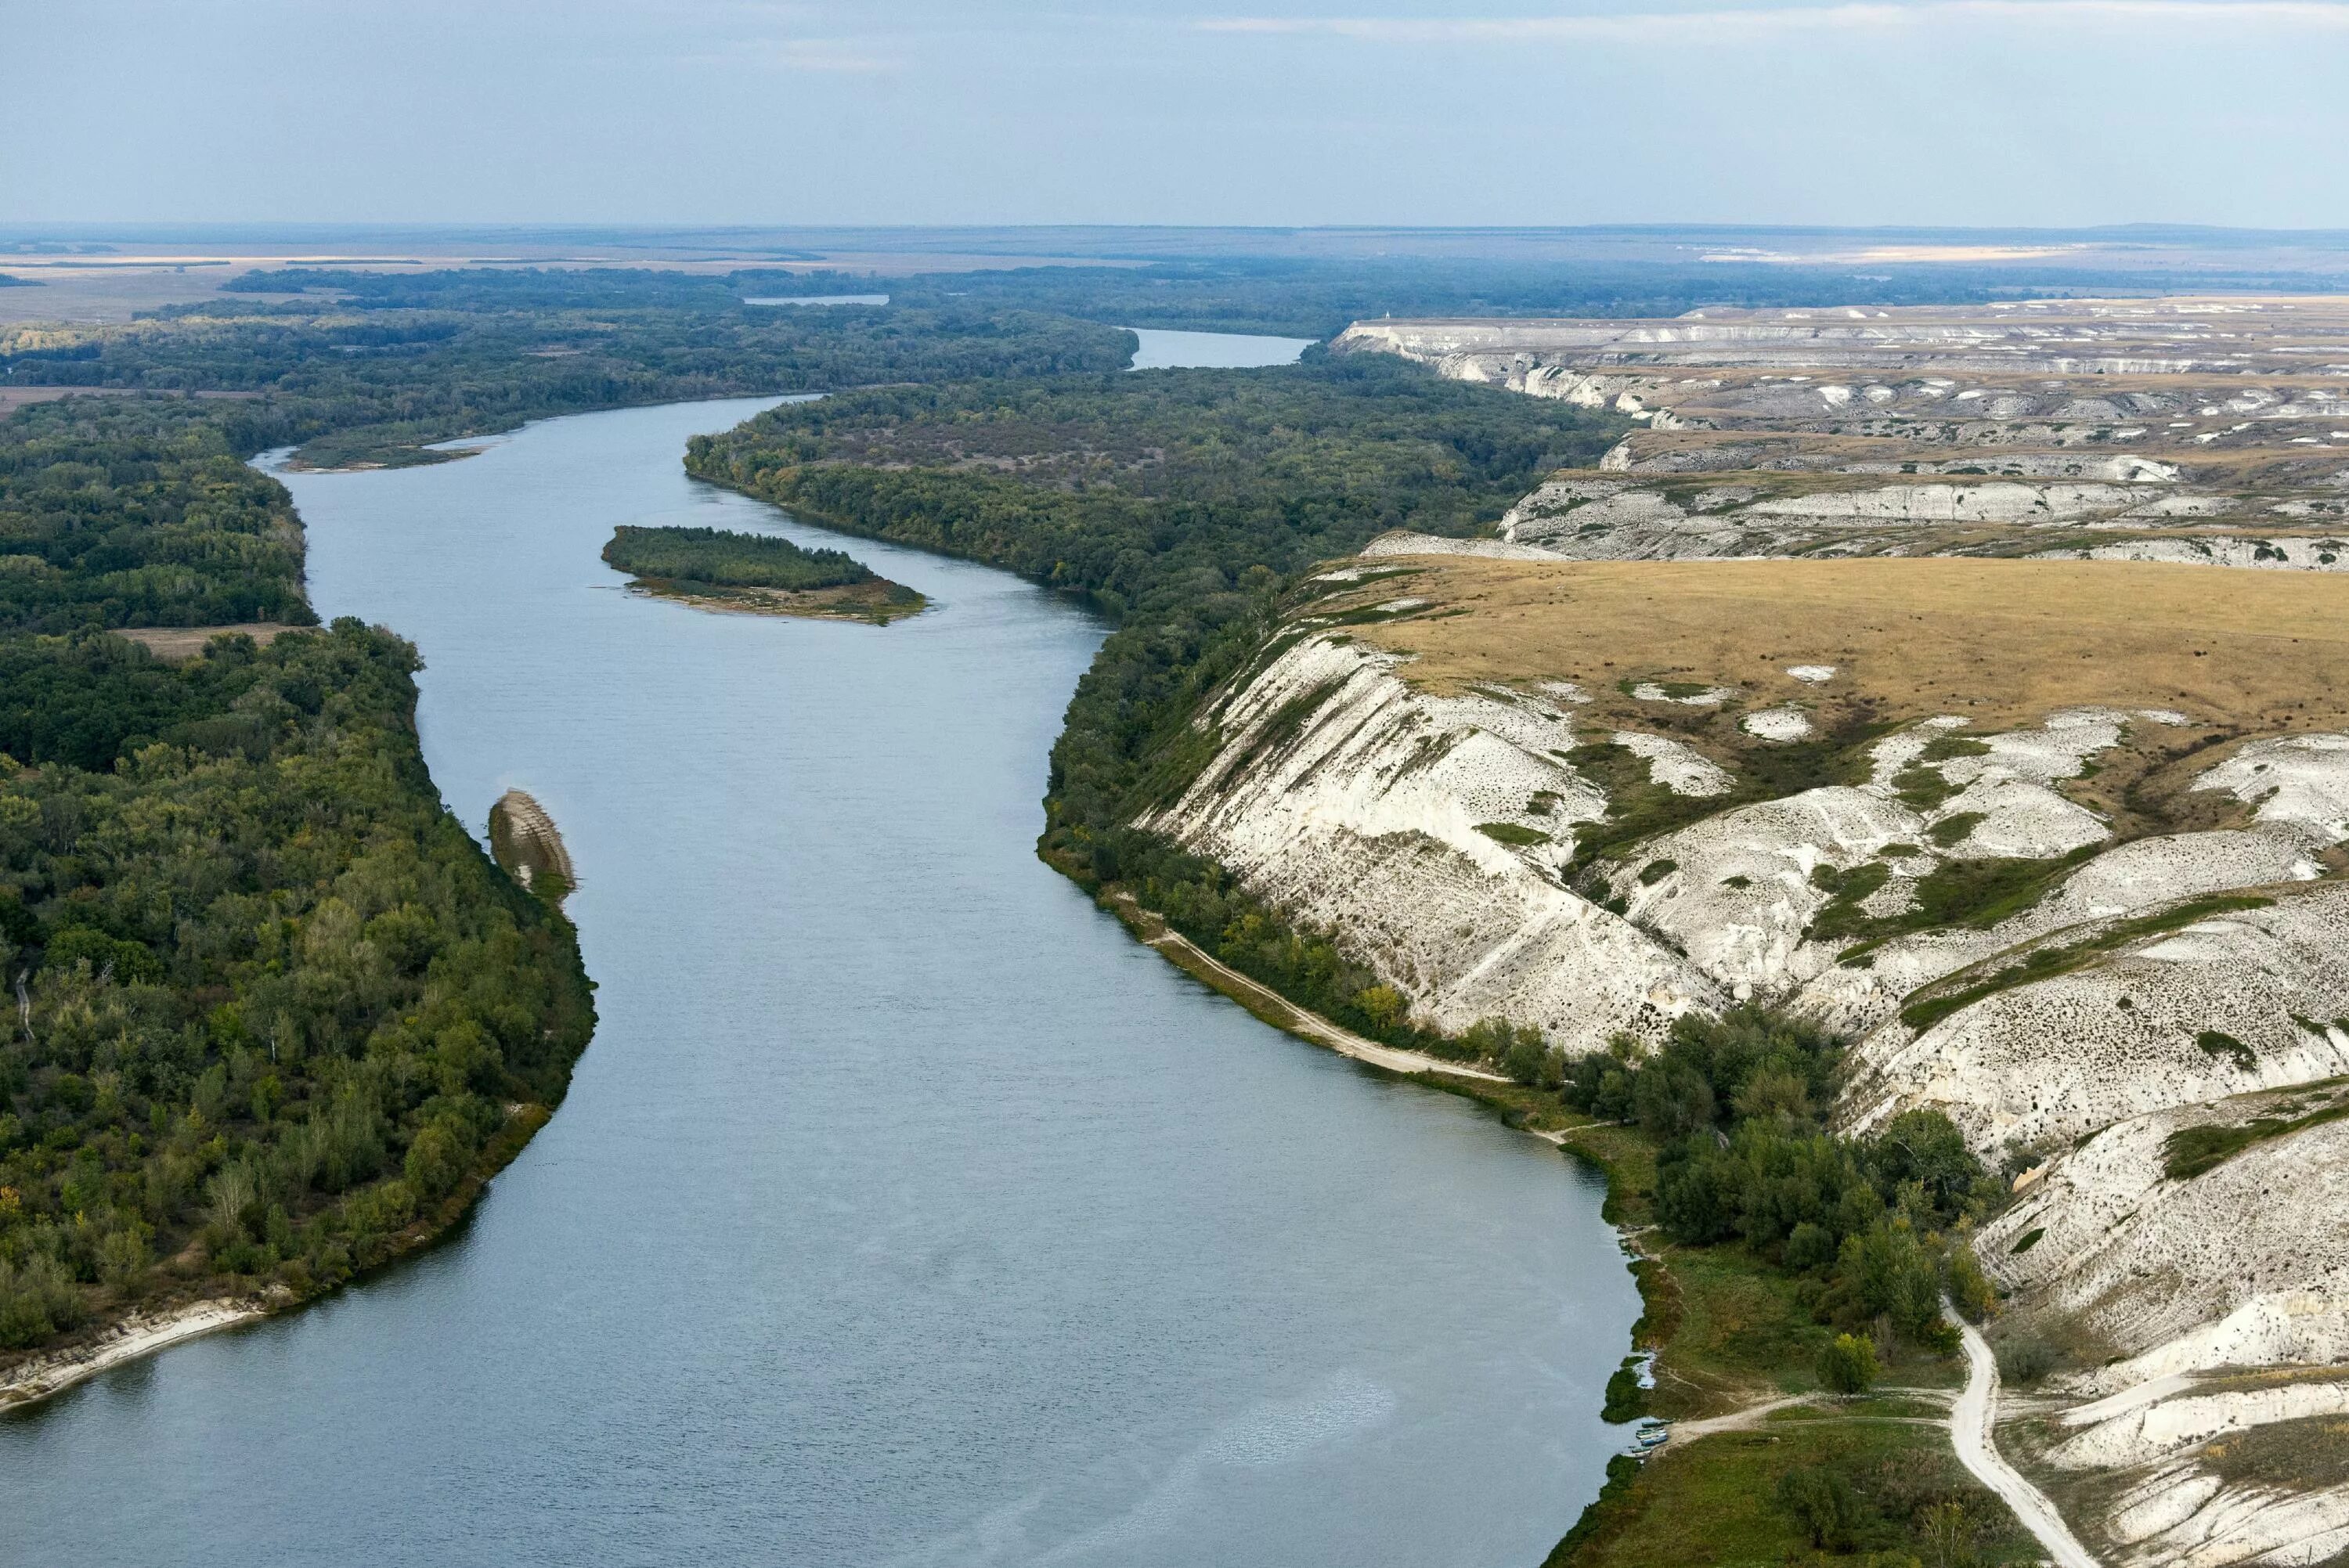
1969 1289
1825 1506
1848 1365
37 1299
1626 1400
2025 1358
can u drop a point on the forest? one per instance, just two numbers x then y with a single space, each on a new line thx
729 560
379 383
273 1007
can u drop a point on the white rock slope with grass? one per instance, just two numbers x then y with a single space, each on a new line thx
2107 938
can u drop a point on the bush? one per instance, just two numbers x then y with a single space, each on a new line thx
1848 1366
1969 1289
1825 1506
37 1299
1626 1400
2025 1358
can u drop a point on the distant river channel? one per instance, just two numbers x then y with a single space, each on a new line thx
904 1211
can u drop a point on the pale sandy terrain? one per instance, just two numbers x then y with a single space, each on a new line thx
187 642
127 1341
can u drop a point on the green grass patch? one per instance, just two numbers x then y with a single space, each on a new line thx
2191 1150
1655 872
1922 788
1976 894
1841 914
1511 834
1950 830
2045 963
1945 746
2218 1043
1720 1501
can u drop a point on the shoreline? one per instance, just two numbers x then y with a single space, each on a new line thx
855 601
126 1340
1652 1331
1664 1299
1151 930
133 1335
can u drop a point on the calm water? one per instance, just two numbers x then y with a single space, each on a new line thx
904 1211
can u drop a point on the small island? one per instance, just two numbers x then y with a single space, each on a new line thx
757 572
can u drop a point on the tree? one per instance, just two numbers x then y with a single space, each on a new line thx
1949 1533
1381 1004
1848 1366
1969 1289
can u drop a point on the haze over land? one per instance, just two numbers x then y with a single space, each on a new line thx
2045 112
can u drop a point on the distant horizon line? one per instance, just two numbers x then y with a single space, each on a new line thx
35 229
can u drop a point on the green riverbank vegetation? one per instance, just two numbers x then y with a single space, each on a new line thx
1180 503
755 573
273 1015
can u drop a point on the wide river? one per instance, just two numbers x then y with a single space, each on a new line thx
903 1210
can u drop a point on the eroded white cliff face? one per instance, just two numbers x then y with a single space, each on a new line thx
1431 834
1355 804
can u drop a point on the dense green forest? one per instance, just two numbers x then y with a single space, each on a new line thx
1293 296
273 1007
729 560
378 383
139 512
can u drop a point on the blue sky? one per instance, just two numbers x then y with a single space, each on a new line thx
2049 112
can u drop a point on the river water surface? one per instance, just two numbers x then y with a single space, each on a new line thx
904 1211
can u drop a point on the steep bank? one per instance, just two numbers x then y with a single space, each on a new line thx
2058 848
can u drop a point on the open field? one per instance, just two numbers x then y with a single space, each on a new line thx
176 643
2000 642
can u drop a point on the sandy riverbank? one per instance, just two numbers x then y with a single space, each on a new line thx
125 1341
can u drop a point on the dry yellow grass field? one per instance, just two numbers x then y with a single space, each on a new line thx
2003 642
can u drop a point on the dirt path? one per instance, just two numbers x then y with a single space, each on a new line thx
1973 1420
1267 1003
1737 1420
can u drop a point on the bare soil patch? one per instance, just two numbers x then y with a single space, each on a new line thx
187 642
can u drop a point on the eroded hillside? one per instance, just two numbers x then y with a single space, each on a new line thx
2057 843
2194 430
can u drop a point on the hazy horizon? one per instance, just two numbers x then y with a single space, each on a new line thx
2006 114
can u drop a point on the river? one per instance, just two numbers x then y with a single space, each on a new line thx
904 1211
